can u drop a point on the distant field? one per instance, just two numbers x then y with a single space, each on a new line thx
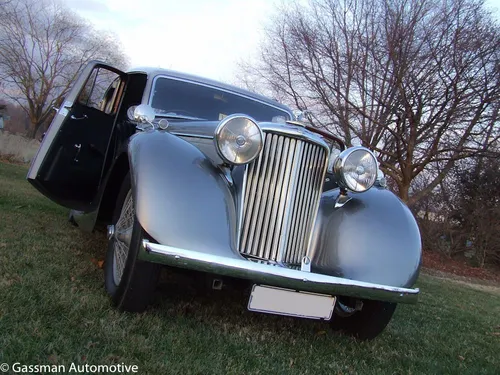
54 310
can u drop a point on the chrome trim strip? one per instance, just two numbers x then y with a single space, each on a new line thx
297 217
259 219
212 87
180 134
290 202
270 251
241 207
274 275
289 149
318 200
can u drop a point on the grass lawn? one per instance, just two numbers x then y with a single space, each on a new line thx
54 310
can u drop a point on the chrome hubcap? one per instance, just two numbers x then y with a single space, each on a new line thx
121 235
111 232
346 311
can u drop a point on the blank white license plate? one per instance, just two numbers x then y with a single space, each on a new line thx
280 301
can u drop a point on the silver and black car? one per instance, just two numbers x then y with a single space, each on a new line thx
195 174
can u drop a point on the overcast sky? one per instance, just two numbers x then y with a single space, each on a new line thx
203 37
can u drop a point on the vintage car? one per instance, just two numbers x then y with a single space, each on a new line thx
195 174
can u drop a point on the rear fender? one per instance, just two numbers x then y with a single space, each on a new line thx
182 199
373 237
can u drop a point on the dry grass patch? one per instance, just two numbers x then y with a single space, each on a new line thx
16 148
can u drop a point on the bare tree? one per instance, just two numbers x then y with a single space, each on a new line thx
43 46
418 81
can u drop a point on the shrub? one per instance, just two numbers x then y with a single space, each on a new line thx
478 211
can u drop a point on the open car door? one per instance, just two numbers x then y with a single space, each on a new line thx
67 168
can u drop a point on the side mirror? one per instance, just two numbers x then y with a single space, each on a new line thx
144 113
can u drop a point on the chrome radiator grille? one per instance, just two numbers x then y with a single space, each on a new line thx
281 196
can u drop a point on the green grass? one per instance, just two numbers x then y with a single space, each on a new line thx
53 309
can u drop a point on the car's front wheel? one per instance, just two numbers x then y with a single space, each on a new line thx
363 319
129 281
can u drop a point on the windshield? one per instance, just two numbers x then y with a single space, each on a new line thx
185 100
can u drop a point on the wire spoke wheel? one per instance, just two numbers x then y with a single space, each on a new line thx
129 281
121 243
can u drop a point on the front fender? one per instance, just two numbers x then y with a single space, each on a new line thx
373 238
181 197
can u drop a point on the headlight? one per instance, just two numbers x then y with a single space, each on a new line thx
238 139
356 169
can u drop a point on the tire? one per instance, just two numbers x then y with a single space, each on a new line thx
367 323
129 281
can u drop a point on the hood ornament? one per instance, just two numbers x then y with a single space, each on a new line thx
299 118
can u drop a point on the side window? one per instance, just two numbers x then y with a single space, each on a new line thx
101 91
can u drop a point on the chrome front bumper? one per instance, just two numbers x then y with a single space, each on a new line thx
274 275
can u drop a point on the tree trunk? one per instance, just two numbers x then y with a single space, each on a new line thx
33 130
404 192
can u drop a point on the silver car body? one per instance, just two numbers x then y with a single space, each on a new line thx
201 216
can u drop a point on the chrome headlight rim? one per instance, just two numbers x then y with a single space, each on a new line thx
339 166
218 133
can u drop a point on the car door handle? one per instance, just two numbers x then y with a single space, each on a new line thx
73 117
78 149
